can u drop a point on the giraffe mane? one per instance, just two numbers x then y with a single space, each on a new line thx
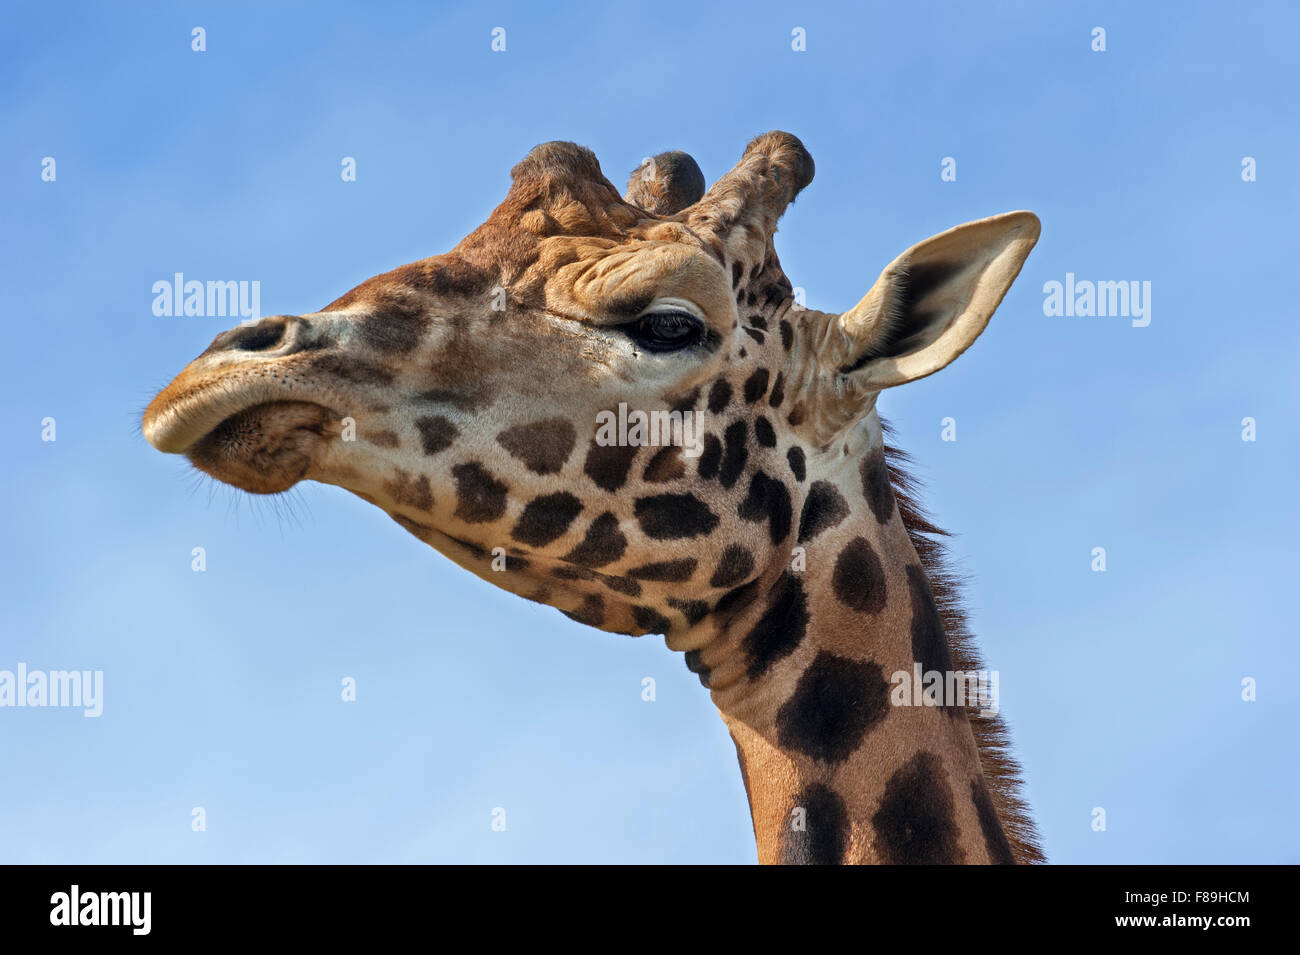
1002 770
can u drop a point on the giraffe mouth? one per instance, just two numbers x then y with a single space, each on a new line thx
267 448
244 426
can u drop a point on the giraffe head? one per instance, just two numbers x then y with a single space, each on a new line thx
489 399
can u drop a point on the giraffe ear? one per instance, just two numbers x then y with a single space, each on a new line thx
665 184
933 301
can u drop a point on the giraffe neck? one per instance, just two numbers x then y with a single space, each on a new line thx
839 764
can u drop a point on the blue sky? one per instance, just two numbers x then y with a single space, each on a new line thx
1123 688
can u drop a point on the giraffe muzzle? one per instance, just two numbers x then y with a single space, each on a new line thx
249 410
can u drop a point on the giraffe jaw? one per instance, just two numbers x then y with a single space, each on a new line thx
267 448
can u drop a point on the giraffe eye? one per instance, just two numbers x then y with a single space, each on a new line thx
666 329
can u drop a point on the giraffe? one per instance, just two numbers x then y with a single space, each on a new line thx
787 560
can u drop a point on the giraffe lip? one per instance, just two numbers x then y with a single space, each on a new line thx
181 416
246 430
266 448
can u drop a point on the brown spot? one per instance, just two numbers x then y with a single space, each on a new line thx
781 629
355 371
542 446
591 611
546 518
823 508
684 402
710 458
422 531
693 610
436 433
915 822
671 571
835 703
876 485
778 391
621 585
735 453
442 274
603 544
395 329
666 465
735 564
649 620
478 552
825 834
411 491
859 578
608 465
674 516
565 572
479 496
995 839
798 464
719 396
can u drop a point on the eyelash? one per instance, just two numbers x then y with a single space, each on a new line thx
648 330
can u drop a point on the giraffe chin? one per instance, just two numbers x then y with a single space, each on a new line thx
265 449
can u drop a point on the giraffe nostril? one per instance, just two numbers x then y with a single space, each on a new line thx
265 334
